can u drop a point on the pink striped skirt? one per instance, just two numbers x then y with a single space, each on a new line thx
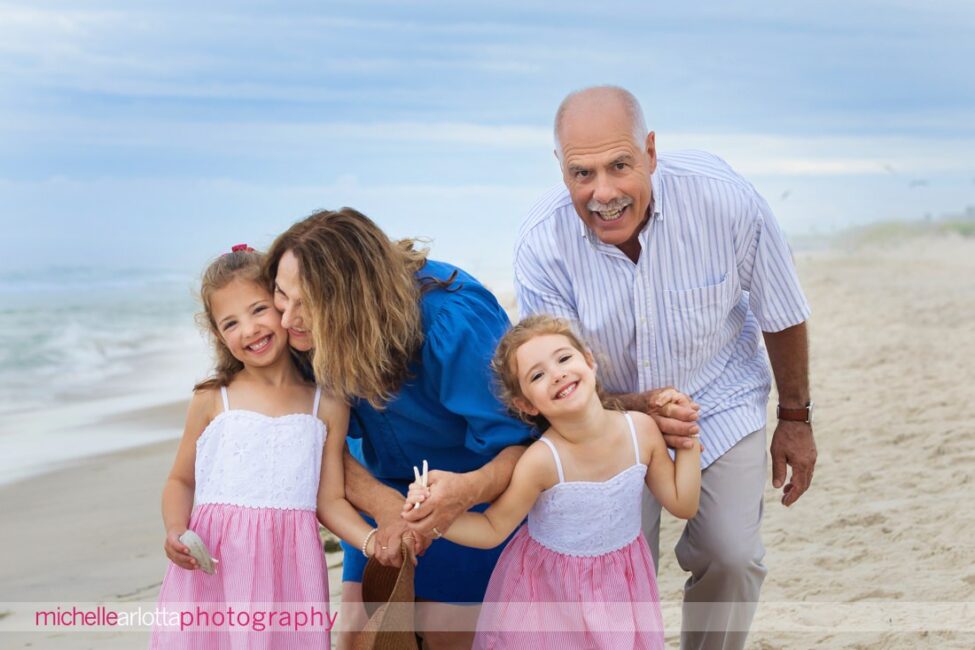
270 589
539 598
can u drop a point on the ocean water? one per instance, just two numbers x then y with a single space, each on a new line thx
68 333
82 349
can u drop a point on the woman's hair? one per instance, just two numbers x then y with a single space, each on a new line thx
362 296
243 263
505 368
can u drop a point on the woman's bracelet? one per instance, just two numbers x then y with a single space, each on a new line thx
365 542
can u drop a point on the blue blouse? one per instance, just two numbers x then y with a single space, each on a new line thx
447 413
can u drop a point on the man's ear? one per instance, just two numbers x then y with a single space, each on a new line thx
525 406
650 146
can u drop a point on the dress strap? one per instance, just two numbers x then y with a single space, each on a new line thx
226 402
555 454
318 398
636 446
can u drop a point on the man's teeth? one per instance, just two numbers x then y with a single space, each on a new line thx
260 345
610 215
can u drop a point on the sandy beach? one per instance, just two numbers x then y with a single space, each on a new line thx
888 526
91 532
889 516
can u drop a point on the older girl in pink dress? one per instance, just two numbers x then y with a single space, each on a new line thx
579 574
260 463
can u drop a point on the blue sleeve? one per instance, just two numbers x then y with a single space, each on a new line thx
456 360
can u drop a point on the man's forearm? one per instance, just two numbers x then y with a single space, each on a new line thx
488 482
365 492
788 352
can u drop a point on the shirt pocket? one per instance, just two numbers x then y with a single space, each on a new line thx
696 320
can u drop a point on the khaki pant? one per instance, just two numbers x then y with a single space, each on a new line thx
721 547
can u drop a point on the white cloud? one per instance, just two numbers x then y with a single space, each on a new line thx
230 53
229 137
750 153
767 154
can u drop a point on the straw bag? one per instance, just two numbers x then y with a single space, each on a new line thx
390 625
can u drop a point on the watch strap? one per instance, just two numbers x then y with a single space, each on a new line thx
794 415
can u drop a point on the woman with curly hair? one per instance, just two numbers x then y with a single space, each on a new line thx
407 341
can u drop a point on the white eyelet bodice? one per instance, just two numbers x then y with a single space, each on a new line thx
249 459
587 518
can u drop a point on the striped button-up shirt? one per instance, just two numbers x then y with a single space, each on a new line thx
714 272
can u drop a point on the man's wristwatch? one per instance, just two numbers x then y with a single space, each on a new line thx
803 414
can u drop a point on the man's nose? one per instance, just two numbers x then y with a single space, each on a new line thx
604 190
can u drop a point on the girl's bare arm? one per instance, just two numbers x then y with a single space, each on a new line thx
177 497
676 485
533 473
335 512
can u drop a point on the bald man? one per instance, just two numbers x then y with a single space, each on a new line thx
674 270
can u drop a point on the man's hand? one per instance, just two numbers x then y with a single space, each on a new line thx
792 442
793 445
449 497
675 414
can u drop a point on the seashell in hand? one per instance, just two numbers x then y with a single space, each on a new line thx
199 552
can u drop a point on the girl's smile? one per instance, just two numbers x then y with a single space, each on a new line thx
553 375
248 323
262 345
568 390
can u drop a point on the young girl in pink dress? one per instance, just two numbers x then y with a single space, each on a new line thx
580 573
260 456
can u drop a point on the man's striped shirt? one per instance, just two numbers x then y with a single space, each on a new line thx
713 273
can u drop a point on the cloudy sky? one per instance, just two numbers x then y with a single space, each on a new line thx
158 133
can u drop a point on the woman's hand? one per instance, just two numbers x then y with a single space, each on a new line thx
177 552
391 530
